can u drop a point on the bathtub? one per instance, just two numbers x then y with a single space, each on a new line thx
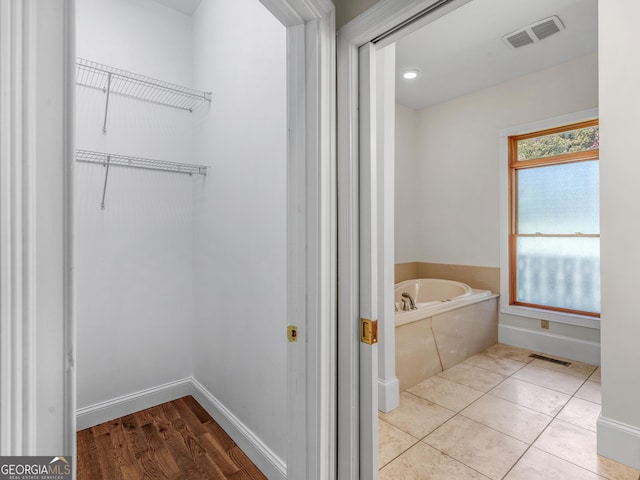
433 295
452 322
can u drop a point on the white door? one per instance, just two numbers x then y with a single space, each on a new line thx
368 262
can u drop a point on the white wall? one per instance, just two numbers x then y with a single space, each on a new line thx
619 425
134 259
406 232
239 333
456 176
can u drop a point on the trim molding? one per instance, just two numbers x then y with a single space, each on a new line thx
380 18
261 455
264 458
69 334
619 441
134 402
388 394
579 350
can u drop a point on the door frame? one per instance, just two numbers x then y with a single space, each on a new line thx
37 381
382 24
312 254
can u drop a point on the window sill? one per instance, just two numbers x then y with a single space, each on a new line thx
558 317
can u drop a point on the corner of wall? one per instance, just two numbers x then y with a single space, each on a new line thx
620 441
257 451
388 394
406 271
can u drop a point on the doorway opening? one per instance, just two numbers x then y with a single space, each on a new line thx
449 191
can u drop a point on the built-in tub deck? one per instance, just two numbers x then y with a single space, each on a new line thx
452 322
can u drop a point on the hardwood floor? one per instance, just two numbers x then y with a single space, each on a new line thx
175 440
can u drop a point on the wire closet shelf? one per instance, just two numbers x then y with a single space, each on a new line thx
114 80
105 159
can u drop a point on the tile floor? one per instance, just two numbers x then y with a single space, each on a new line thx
499 415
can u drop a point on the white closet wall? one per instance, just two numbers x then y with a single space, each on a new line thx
134 283
185 276
240 218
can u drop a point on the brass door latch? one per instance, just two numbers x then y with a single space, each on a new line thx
368 331
292 333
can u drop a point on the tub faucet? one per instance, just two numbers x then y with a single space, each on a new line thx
411 300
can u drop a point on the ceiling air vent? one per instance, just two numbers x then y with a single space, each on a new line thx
534 32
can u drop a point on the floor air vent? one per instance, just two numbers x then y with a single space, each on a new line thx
534 32
549 359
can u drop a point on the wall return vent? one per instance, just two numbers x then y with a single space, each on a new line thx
534 32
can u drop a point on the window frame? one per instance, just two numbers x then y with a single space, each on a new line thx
515 165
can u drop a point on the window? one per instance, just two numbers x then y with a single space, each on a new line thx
554 248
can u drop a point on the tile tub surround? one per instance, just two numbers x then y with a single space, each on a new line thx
502 423
433 344
406 271
481 278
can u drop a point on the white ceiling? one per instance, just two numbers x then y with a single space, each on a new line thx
184 6
463 51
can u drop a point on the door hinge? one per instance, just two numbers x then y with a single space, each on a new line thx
368 331
292 333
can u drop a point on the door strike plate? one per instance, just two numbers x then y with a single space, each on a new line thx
368 331
292 333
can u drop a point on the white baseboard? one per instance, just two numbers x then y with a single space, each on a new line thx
267 461
127 404
619 441
388 394
559 345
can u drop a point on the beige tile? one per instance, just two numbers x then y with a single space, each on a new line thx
451 331
581 413
416 353
578 445
448 394
416 416
391 442
535 397
596 376
422 462
574 444
513 353
507 417
484 278
486 450
591 391
501 365
544 377
473 377
484 325
406 271
539 465
577 369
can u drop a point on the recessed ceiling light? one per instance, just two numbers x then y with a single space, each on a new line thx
410 74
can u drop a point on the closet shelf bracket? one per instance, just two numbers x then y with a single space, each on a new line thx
122 82
108 160
106 177
107 91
